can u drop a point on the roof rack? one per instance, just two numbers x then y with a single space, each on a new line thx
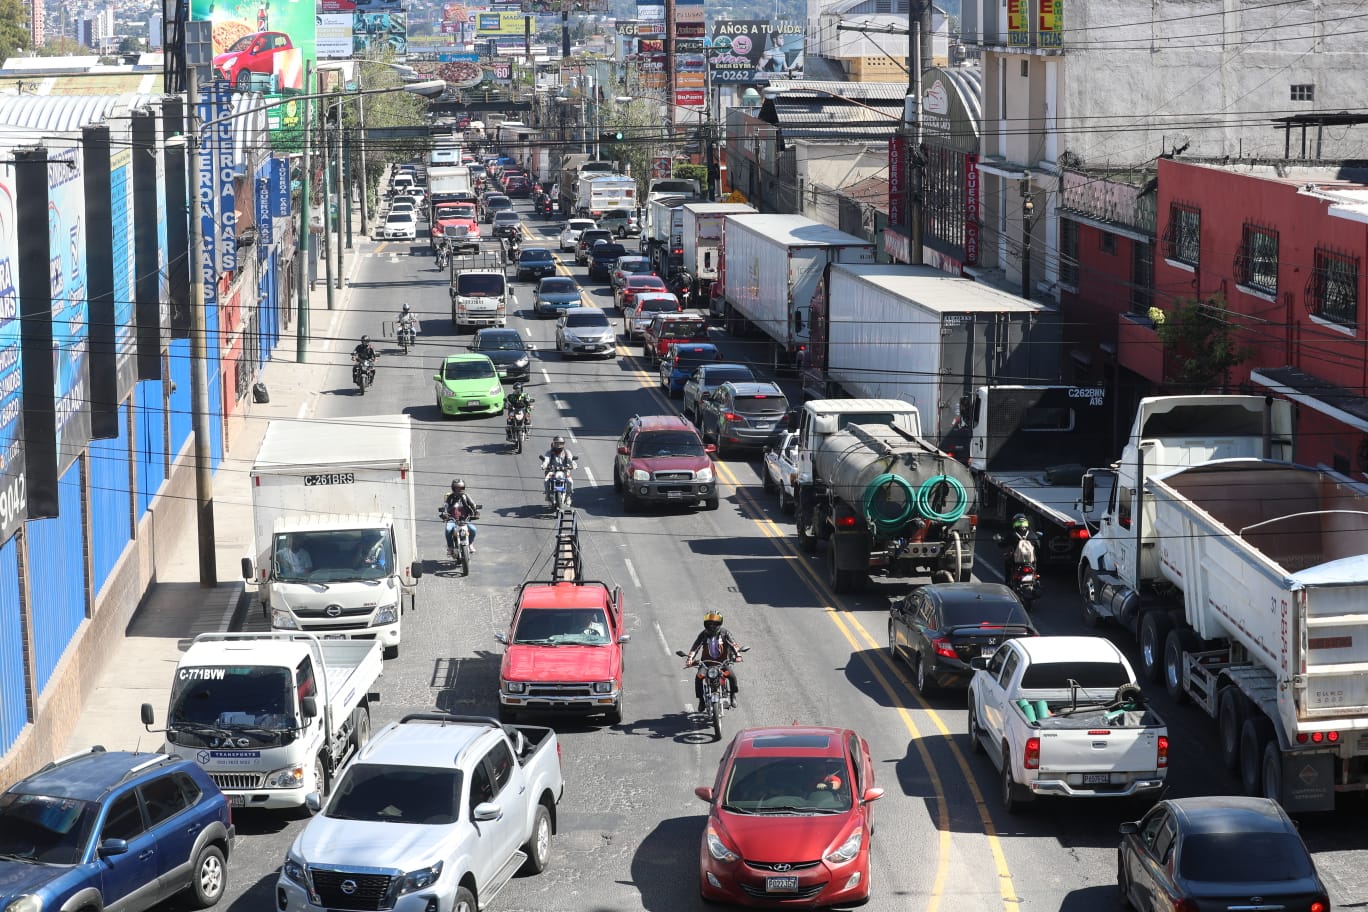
566 563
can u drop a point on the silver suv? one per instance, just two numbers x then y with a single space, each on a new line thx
622 222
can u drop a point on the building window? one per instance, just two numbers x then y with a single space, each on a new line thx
1106 242
1068 252
1304 92
1183 237
1025 68
1332 291
1142 278
1256 265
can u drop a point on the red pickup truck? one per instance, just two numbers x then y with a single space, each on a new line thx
665 329
563 651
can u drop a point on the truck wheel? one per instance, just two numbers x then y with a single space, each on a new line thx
806 543
538 848
360 727
463 901
1255 735
1230 717
1272 771
614 715
1014 797
841 581
1153 631
1175 644
1090 590
390 652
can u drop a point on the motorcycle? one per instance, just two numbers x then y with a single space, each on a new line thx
560 497
458 529
363 373
681 284
441 258
519 420
513 247
406 335
716 689
1023 575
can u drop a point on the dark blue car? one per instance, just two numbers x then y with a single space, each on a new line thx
682 360
113 830
536 263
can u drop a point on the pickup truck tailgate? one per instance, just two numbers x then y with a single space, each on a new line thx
1099 750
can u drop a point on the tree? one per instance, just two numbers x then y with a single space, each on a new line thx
392 109
693 172
14 35
1199 349
640 129
132 45
62 46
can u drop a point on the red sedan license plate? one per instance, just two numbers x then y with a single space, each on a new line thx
781 884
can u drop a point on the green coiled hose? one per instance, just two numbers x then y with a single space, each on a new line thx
917 501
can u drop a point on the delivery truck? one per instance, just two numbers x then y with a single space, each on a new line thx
448 184
1244 577
335 545
774 265
701 230
598 193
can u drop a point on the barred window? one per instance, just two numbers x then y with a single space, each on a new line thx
1332 291
1068 252
1142 278
1303 92
1257 263
1184 234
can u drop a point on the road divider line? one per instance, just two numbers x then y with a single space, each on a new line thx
588 472
636 581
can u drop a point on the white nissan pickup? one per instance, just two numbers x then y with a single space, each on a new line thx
1063 716
437 812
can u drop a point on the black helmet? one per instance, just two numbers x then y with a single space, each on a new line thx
557 442
365 340
457 484
517 387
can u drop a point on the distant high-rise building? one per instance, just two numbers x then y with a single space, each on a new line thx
154 32
37 14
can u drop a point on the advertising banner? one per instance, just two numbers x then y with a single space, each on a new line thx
223 170
13 503
280 188
1050 26
971 210
690 71
649 12
498 72
70 319
333 34
261 211
750 50
698 29
373 33
499 23
206 208
1017 13
689 45
121 211
897 181
690 98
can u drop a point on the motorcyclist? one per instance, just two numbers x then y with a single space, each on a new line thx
517 400
456 505
714 643
406 320
363 350
1019 546
558 457
441 254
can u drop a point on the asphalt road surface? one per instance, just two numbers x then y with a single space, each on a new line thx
630 824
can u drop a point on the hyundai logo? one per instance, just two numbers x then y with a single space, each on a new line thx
785 866
333 611
348 887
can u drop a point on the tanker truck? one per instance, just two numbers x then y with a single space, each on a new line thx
884 500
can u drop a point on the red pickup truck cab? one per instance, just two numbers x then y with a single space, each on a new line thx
665 329
563 652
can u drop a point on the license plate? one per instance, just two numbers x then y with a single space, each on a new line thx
334 636
1096 778
674 493
473 402
781 884
764 425
237 801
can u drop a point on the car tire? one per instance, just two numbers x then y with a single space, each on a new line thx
925 685
617 483
1014 797
463 901
209 878
712 503
767 483
893 653
614 715
538 848
787 504
975 733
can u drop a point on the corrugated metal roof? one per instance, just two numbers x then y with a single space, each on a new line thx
859 91
60 114
833 122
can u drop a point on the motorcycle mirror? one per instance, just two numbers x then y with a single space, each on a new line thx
997 537
623 451
744 649
681 653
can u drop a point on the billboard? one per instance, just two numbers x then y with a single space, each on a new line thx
333 35
748 51
13 502
548 7
690 98
125 269
499 23
70 319
373 32
691 71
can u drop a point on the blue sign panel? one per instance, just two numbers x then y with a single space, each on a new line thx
227 197
280 188
13 499
70 314
265 225
121 211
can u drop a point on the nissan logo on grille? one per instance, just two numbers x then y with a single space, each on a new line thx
348 886
333 611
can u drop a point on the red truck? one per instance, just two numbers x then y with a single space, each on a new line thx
665 329
563 648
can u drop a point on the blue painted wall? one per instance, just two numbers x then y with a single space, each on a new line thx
13 707
57 577
110 523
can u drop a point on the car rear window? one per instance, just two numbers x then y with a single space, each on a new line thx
658 305
586 319
1101 676
974 612
1244 857
717 377
685 329
693 356
609 251
761 404
475 284
401 217
595 234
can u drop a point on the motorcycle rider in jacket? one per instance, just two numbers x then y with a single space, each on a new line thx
517 400
558 457
1019 547
716 644
457 504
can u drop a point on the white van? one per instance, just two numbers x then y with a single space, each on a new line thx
444 156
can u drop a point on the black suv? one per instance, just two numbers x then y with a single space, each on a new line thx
587 239
113 829
603 259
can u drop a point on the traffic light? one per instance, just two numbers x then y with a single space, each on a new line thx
611 136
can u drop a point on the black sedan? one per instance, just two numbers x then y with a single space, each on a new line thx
1206 854
938 629
535 263
511 355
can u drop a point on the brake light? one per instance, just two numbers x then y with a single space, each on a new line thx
973 520
943 648
1185 905
1078 533
732 416
1163 751
1321 905
1100 731
846 522
1032 759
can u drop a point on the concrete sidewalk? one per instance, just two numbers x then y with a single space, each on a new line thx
139 668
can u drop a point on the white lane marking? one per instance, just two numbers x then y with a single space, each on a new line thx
562 404
545 375
576 440
303 408
660 635
588 473
612 527
528 330
631 571
227 615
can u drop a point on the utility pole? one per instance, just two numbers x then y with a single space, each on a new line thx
1027 218
199 350
565 29
351 178
302 255
365 176
915 154
343 202
670 76
327 214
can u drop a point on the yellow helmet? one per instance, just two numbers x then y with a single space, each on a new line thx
712 617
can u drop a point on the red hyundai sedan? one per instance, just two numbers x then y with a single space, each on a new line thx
791 819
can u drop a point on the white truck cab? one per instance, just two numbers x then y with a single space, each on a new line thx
821 418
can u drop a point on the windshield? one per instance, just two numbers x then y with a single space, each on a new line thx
535 255
582 320
333 555
241 44
500 342
558 286
761 404
230 698
1244 857
463 212
475 285
760 785
667 443
1101 676
382 793
561 626
45 829
685 329
474 369
578 225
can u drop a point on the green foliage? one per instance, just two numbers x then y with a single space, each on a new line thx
14 36
693 172
62 46
638 126
1199 347
132 45
392 109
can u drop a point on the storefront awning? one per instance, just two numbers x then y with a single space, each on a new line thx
1336 402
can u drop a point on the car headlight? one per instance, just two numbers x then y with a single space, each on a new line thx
26 903
603 687
494 390
420 879
293 870
640 475
386 615
521 362
718 849
515 687
280 620
291 778
848 850
703 475
448 393
571 337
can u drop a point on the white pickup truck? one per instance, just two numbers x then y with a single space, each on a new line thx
1063 716
439 811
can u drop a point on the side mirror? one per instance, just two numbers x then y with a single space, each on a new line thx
873 794
625 639
111 847
485 811
623 451
1089 492
314 802
710 449
149 718
248 570
979 663
309 707
416 570
681 653
530 347
704 793
501 637
437 377
1129 828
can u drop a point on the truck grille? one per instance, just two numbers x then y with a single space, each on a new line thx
313 628
237 781
341 612
674 476
553 691
345 890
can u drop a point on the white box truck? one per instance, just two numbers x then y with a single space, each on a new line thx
271 716
1245 580
774 264
336 546
597 193
702 230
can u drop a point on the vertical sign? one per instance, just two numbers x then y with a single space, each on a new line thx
177 199
70 310
280 188
971 209
146 258
121 214
223 161
13 501
262 214
36 320
1050 25
897 180
1017 13
206 207
105 391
